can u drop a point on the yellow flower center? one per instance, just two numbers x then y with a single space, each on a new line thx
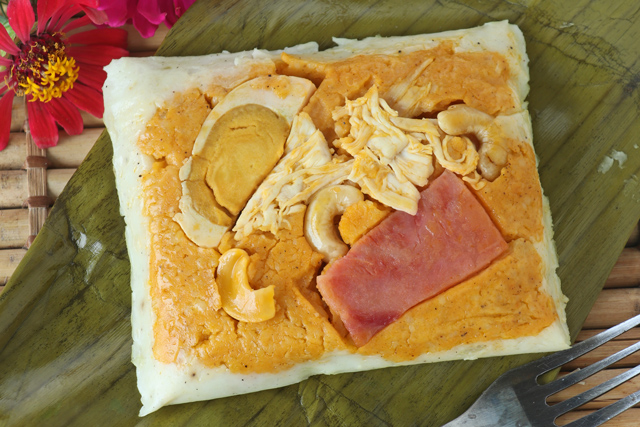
57 78
42 69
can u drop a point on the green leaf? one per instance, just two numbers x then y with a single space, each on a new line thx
12 34
65 332
5 23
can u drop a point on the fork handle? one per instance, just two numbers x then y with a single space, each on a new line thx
473 420
497 406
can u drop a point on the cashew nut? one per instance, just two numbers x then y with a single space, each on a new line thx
238 299
492 159
457 153
319 227
461 119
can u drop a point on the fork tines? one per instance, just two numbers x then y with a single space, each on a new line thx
556 360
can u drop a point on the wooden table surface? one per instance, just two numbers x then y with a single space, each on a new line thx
619 300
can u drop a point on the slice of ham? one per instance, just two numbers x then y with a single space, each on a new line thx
407 259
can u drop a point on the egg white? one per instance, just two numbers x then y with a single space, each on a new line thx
198 228
136 87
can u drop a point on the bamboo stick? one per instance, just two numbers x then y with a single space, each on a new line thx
603 351
136 43
13 186
58 179
72 149
17 114
633 334
69 153
36 186
625 419
614 395
14 228
626 272
613 306
141 54
12 157
9 260
91 121
634 239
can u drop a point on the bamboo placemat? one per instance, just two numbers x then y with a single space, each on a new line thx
31 179
618 301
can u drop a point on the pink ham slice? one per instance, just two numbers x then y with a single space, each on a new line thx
407 259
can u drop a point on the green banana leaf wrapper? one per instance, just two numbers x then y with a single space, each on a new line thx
65 331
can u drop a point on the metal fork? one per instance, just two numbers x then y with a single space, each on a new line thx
517 399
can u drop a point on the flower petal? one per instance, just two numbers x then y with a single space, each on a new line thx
117 12
97 54
4 62
46 9
43 126
92 75
86 99
170 10
150 10
76 23
108 36
66 114
6 103
98 17
62 15
89 3
181 6
6 42
21 18
144 27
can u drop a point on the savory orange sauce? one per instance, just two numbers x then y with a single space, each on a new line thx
501 302
300 330
359 218
479 79
183 287
517 215
166 137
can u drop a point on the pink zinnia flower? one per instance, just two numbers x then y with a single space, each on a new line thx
146 15
58 74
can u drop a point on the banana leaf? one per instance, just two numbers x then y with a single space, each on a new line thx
65 331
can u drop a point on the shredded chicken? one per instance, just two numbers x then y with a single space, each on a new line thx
306 167
389 162
388 156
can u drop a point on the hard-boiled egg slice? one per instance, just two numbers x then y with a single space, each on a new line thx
239 143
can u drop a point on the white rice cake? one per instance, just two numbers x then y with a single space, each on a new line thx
135 90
